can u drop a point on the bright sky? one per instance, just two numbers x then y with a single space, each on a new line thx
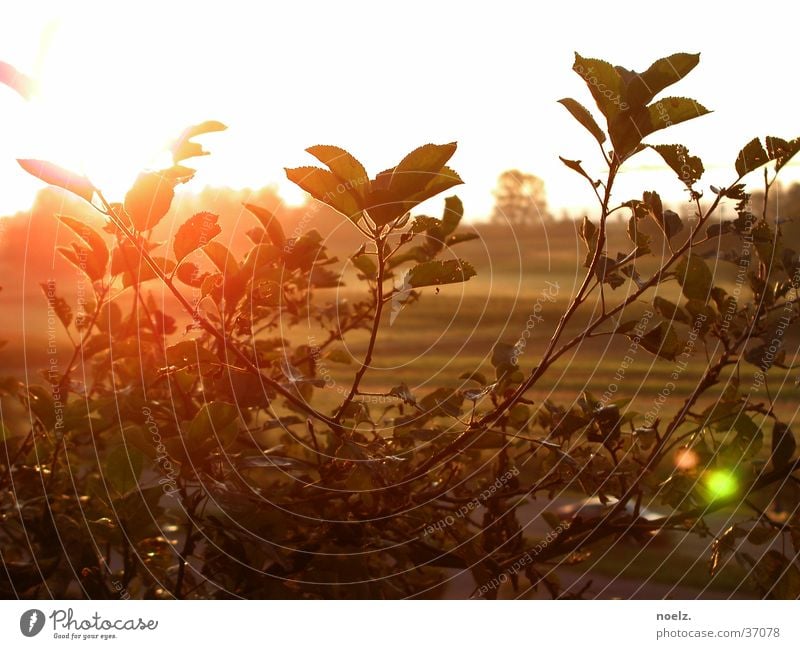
119 79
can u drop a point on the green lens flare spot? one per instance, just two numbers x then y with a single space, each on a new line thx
721 484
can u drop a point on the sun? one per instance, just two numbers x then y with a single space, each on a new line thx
86 117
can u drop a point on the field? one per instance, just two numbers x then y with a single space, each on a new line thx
452 331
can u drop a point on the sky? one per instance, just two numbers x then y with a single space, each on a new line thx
118 80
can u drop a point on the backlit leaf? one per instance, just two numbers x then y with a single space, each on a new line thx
216 421
782 151
123 467
58 304
605 84
54 175
194 233
221 256
436 273
270 222
184 148
669 310
642 88
694 277
416 170
328 189
344 166
149 199
575 165
584 117
91 237
661 341
784 445
751 157
16 80
688 168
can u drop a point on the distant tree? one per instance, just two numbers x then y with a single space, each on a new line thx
520 199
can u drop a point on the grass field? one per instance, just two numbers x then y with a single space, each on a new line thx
450 331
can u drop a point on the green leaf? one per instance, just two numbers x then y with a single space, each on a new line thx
58 304
442 402
217 420
669 310
784 445
695 277
385 206
436 273
184 148
607 421
634 125
90 236
782 151
605 84
83 259
584 117
661 341
453 213
190 353
416 170
553 520
473 376
149 199
642 88
324 186
419 176
40 402
366 265
688 168
222 257
196 232
54 175
639 239
261 260
339 356
344 166
461 237
575 165
424 223
719 229
123 467
588 233
142 272
767 242
751 157
270 223
673 110
669 222
190 274
504 355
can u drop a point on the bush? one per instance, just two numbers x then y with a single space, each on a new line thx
168 463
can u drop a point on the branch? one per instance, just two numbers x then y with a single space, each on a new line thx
210 328
373 336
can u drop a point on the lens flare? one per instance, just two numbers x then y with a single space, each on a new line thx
686 459
721 484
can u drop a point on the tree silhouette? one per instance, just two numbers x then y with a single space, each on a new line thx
520 199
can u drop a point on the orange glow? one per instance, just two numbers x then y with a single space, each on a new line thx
686 459
119 80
